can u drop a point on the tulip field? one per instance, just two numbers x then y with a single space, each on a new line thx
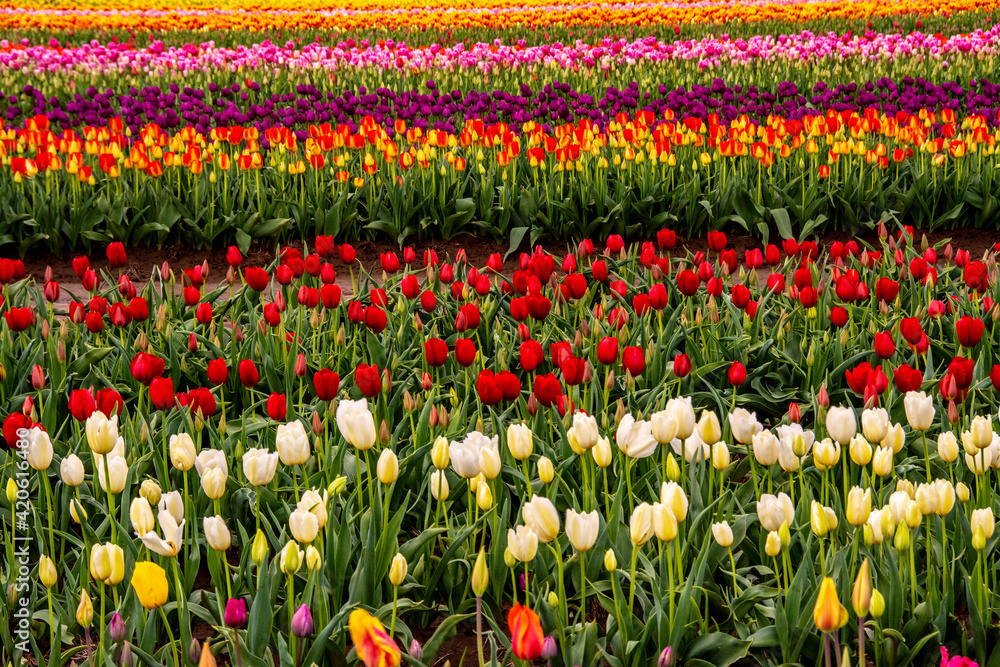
712 384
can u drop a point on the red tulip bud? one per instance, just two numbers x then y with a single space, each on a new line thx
37 378
794 413
28 406
192 343
426 383
165 272
823 398
300 365
952 412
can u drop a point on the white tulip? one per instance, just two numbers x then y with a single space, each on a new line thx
744 425
293 443
356 423
259 466
582 528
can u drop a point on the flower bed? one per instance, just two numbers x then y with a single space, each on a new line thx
630 433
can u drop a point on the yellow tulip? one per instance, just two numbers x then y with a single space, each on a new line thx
150 583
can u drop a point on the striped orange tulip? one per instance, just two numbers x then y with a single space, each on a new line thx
373 644
829 614
526 632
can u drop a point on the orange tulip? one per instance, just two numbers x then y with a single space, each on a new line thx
526 632
373 644
829 614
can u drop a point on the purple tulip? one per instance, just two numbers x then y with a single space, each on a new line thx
549 648
116 628
236 613
302 622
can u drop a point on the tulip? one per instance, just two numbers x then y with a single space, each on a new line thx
947 446
683 413
546 471
919 410
527 639
635 438
439 485
765 448
540 515
874 424
149 581
641 524
302 622
982 519
723 534
602 452
356 423
519 441
583 435
102 433
216 533
829 614
581 529
859 506
303 525
293 444
522 543
85 610
465 458
709 429
440 454
71 470
860 450
775 510
489 461
841 424
173 532
290 558
663 426
982 431
117 473
744 425
141 515
720 456
236 613
480 574
182 452
388 467
47 573
664 522
39 449
397 570
373 645
259 466
895 438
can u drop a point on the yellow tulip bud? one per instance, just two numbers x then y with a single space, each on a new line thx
772 547
610 562
47 572
861 593
877 607
546 472
480 574
259 549
902 539
398 569
85 610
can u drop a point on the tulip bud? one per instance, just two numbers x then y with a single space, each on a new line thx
480 573
116 628
194 651
610 562
546 471
673 470
772 547
126 658
877 607
861 593
383 433
484 496
11 491
397 570
316 424
962 492
300 365
47 572
549 648
553 599
416 652
85 610
259 550
666 658
902 539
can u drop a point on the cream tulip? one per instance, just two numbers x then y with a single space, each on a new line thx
663 426
983 519
841 424
489 461
765 448
388 466
398 569
356 423
117 472
465 459
919 408
859 506
173 535
71 470
141 515
775 510
641 524
882 461
744 425
720 456
874 424
292 442
723 534
861 450
664 522
584 432
182 452
172 502
439 485
819 519
303 526
546 471
895 438
522 543
602 452
683 414
635 438
39 449
315 503
260 466
947 446
216 533
582 528
826 454
102 433
982 431
440 455
213 483
541 516
519 441
673 496
709 428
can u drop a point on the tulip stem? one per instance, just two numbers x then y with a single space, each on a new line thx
479 630
861 640
53 649
48 502
927 457
732 562
371 488
170 635
100 639
111 499
631 584
181 605
527 477
392 623
583 588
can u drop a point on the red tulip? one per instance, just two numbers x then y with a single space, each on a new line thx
666 239
51 291
247 370
203 313
272 316
794 413
16 421
772 255
375 319
256 278
233 256
116 255
200 400
18 319
347 253
976 276
599 270
572 368
82 404
465 351
969 330
378 297
327 384
838 316
576 285
368 379
161 393
634 360
615 244
885 346
218 371
808 297
330 296
607 350
145 367
80 266
682 365
527 638
509 384
538 306
94 322
284 274
737 374
659 298
995 376
139 309
688 282
531 355
389 261
277 407
741 296
546 388
90 281
717 240
776 283
489 390
428 301
910 329
324 246
907 379
436 352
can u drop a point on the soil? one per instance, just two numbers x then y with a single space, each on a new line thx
144 260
